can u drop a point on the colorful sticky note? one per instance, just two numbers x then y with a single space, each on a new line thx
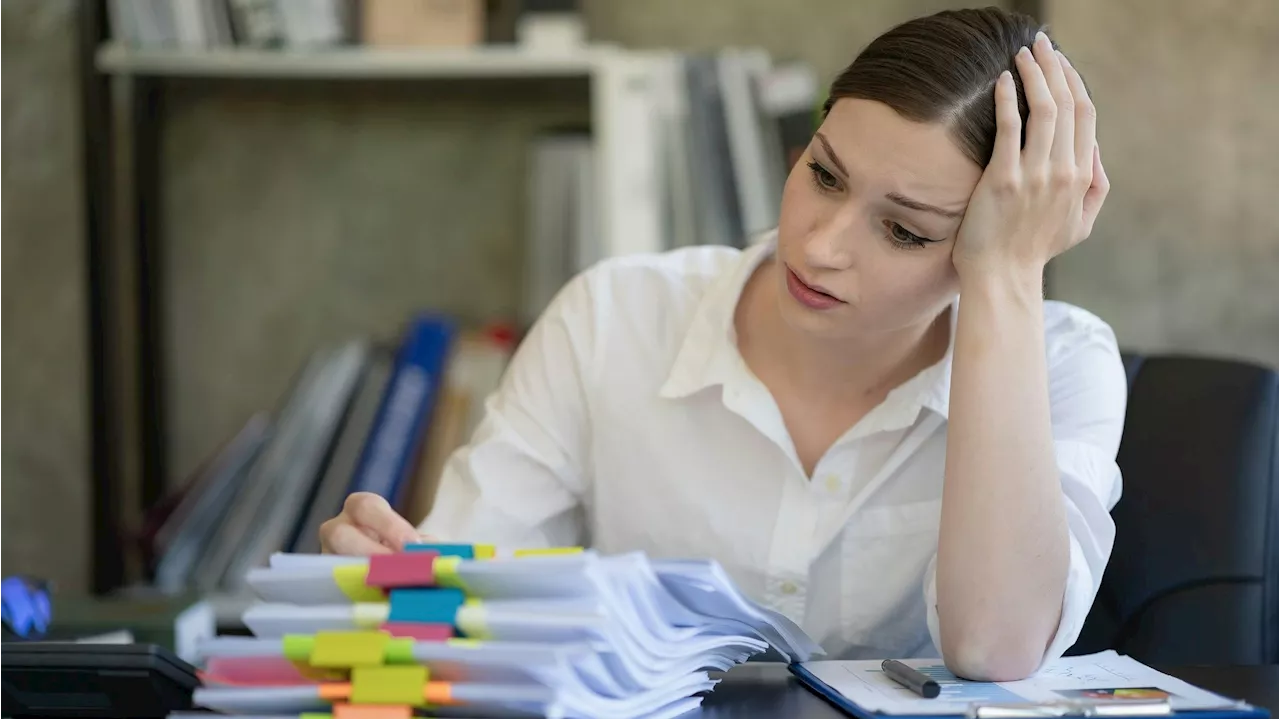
350 578
438 693
370 615
349 649
463 551
473 621
439 605
315 715
419 631
402 569
297 647
400 651
404 684
484 551
446 573
371 711
334 691
546 551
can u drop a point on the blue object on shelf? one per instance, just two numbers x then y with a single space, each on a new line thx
25 607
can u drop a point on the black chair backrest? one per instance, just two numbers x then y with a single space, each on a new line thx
1192 576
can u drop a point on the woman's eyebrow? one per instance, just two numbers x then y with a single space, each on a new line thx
911 204
835 159
894 197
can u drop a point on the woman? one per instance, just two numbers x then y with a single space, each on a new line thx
871 418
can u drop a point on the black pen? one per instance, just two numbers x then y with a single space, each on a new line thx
916 681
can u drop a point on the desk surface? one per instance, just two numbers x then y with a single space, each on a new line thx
769 690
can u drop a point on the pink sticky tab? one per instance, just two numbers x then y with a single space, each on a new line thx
402 569
419 631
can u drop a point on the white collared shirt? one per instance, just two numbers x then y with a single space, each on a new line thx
628 420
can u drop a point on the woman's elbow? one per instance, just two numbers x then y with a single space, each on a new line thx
983 660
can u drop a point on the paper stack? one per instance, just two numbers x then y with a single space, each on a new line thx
470 630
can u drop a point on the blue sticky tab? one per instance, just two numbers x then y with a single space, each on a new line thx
437 605
465 551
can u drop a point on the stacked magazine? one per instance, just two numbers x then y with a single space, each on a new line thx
467 629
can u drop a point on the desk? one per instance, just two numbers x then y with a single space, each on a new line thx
769 691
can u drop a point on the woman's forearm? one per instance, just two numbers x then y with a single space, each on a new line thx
1003 547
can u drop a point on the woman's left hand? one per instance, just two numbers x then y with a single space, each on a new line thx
1035 201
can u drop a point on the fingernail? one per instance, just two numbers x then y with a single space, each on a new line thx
1041 37
1006 76
1024 51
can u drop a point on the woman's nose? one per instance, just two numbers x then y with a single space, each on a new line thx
830 245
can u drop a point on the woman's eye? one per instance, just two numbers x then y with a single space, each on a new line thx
822 177
903 237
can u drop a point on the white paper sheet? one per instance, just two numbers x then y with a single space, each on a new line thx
1092 677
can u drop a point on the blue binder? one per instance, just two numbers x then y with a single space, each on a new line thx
1242 711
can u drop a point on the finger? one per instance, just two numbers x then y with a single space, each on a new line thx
348 540
371 511
1042 113
1008 124
1086 117
1062 154
1096 194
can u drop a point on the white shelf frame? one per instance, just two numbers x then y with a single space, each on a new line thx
352 62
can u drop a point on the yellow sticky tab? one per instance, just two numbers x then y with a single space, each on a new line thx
314 715
547 551
349 649
297 647
350 579
370 615
472 621
403 684
400 651
483 551
445 570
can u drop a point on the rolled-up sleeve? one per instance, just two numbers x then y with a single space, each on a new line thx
1088 393
519 481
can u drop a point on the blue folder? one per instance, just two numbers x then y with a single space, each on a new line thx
1241 711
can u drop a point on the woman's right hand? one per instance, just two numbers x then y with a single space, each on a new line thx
367 525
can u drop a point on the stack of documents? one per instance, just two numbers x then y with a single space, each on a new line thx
556 633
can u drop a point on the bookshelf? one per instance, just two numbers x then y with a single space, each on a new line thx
355 63
123 115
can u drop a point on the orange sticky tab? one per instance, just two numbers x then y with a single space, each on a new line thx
334 691
371 711
547 552
349 649
438 693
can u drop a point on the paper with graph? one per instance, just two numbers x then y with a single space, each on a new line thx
556 633
1105 676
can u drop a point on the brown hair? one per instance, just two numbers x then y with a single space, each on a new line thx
943 68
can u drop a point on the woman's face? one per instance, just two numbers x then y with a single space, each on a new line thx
869 216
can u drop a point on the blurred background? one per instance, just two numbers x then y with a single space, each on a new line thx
234 228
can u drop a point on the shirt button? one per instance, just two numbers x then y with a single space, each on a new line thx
833 483
789 588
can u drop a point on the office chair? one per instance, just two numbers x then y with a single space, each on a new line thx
1192 577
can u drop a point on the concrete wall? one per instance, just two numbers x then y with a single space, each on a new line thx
297 214
45 445
1183 257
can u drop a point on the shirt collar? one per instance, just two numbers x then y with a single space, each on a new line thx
708 354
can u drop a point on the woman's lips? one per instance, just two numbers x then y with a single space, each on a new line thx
810 297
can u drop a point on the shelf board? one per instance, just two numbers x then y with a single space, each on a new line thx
349 63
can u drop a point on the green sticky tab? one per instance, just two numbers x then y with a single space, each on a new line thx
314 715
445 570
349 649
399 651
297 647
404 684
464 643
350 579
